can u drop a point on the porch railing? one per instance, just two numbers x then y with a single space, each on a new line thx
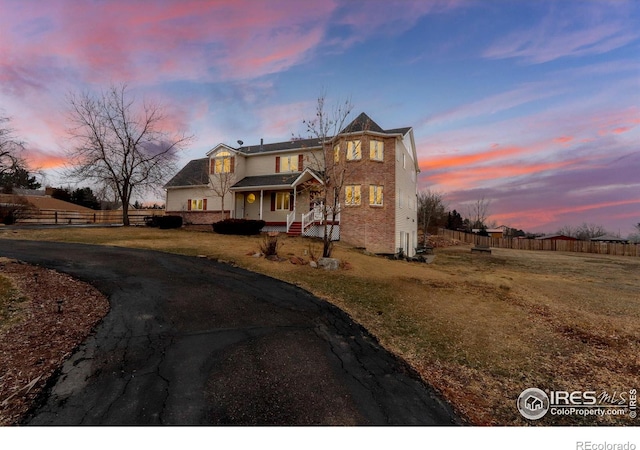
308 219
291 218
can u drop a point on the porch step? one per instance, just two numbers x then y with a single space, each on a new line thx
295 229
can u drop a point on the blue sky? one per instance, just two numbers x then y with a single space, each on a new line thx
534 105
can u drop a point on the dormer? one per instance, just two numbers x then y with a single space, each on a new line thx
223 160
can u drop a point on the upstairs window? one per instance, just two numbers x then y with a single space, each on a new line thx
352 195
336 153
223 163
289 163
375 195
354 150
376 150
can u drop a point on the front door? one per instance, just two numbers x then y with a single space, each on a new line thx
239 210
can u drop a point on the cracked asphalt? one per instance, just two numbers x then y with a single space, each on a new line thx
189 341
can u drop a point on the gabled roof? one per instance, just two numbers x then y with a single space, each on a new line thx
195 173
264 181
362 123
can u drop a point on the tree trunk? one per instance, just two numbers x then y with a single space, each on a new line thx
125 214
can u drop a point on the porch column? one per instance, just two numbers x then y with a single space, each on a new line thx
261 198
295 203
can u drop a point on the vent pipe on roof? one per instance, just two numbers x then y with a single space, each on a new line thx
261 142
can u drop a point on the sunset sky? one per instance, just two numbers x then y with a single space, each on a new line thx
534 105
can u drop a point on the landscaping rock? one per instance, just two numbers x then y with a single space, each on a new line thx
329 263
313 264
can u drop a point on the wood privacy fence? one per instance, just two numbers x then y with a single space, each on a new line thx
112 217
603 248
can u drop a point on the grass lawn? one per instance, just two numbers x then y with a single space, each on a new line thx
479 328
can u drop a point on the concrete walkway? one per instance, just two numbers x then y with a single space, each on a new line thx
193 342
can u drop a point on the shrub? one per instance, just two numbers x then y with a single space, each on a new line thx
164 222
270 244
238 226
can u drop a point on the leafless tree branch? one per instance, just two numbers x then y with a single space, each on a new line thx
120 144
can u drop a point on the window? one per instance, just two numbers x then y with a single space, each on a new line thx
336 153
223 163
376 151
289 163
354 150
199 204
375 195
282 201
352 195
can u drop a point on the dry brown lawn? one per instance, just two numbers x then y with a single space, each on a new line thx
479 328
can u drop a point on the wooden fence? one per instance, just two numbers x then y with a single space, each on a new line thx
602 248
113 217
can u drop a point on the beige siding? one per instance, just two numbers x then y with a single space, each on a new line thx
177 199
406 216
266 164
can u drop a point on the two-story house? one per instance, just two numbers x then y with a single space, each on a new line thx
285 184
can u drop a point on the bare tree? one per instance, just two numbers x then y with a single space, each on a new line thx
10 148
222 177
478 213
431 209
587 231
329 167
568 230
120 143
635 237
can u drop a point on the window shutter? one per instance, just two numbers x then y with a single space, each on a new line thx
204 204
273 201
189 205
300 162
277 165
232 163
212 168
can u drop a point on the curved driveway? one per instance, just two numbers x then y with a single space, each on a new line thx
192 341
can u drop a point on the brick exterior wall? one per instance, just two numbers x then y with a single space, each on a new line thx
366 226
199 217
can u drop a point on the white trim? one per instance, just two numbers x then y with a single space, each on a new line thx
305 171
220 146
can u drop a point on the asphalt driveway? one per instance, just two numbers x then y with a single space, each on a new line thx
189 341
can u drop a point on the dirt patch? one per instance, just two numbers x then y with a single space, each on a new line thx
44 315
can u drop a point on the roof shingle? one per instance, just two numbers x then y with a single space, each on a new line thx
195 173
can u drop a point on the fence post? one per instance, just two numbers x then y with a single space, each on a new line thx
56 217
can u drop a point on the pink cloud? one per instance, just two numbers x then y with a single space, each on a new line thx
115 41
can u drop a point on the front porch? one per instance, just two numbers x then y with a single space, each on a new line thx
288 203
